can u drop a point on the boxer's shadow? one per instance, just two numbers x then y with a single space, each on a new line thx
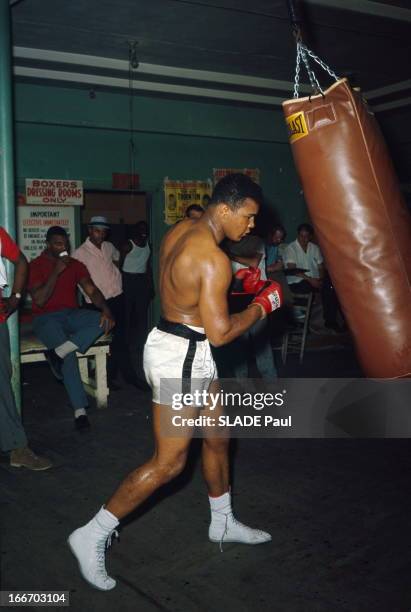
182 480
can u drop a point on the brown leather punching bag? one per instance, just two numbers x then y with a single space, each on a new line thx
361 221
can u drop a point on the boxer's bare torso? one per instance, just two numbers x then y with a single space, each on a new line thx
195 274
189 251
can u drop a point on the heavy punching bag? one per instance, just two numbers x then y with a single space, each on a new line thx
361 221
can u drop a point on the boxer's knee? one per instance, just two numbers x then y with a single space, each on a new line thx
170 468
217 446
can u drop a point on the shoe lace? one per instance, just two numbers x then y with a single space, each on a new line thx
230 516
224 532
101 547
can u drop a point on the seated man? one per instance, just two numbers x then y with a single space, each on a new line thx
303 254
58 321
274 249
274 261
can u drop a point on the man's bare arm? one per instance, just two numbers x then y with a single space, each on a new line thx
107 321
221 327
11 303
275 267
124 251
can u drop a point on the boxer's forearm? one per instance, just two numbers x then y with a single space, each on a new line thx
237 325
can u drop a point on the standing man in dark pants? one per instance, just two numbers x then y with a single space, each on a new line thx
135 263
101 259
12 435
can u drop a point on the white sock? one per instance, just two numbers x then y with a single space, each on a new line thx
79 412
221 504
106 520
64 349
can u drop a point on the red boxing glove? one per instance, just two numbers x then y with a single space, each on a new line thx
250 278
270 297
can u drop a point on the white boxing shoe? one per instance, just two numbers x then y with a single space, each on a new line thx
88 544
225 528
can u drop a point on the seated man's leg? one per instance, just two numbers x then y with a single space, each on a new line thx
301 287
54 331
260 338
74 385
50 328
84 327
88 542
330 305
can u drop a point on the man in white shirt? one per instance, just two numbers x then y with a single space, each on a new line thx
305 256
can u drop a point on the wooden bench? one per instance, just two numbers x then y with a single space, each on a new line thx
92 365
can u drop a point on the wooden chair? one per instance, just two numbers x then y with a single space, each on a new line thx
294 338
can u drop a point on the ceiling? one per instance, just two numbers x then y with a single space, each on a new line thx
237 50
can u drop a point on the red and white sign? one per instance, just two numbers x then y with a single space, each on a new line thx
58 192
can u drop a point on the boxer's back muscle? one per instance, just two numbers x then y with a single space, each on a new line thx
184 254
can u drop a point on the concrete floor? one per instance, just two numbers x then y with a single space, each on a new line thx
338 511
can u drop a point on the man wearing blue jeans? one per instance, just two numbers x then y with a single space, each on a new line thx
58 321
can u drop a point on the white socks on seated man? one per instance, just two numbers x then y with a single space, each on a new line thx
88 544
65 349
225 528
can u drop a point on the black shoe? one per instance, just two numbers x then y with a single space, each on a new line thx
82 423
55 362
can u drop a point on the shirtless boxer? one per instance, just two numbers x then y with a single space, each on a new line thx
195 276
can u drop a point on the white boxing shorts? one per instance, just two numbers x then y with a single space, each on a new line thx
177 359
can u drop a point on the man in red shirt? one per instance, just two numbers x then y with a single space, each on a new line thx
12 434
58 321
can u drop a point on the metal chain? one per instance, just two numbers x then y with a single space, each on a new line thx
311 75
320 62
302 52
297 73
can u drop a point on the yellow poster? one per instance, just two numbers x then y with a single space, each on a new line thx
253 173
178 195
